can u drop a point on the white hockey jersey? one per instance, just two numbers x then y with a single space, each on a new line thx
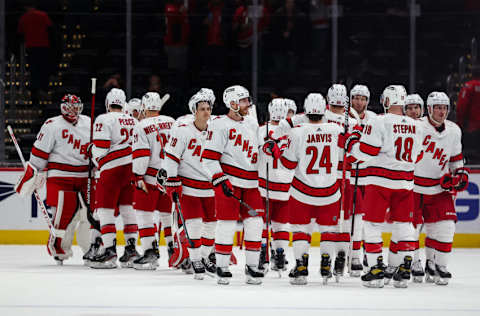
287 124
442 153
61 147
313 153
368 115
112 140
279 177
232 149
183 159
390 144
149 140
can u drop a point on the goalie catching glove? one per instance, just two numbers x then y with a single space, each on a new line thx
30 181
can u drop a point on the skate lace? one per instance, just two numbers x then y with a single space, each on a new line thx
197 265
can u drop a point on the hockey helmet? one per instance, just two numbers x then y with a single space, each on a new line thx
361 90
235 94
198 97
115 97
394 95
337 95
314 104
278 109
414 99
151 101
134 104
210 94
291 105
71 107
437 98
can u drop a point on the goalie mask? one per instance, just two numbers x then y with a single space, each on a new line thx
71 106
115 97
278 109
315 104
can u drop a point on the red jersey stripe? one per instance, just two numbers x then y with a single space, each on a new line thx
66 167
274 186
173 158
386 173
141 153
315 192
211 154
100 143
115 155
369 149
40 153
239 173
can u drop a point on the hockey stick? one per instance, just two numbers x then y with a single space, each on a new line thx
90 208
251 211
46 217
354 206
176 200
344 171
267 206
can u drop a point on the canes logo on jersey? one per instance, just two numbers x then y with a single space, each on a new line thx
438 153
76 142
236 138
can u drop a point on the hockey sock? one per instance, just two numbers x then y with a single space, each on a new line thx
301 239
146 228
373 241
440 238
194 228
166 223
416 254
264 234
224 241
403 234
281 236
130 227
107 226
357 236
208 238
253 238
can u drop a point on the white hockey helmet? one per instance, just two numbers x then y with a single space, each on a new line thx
337 95
115 97
151 101
394 95
361 90
198 97
235 94
437 98
291 105
414 99
314 104
210 94
278 109
134 104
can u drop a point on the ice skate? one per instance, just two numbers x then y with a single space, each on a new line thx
442 275
263 263
325 268
224 275
187 267
92 252
430 272
130 254
210 268
339 266
375 277
149 260
278 261
107 259
356 268
402 275
417 272
389 272
198 270
298 275
253 275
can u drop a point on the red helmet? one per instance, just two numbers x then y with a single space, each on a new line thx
71 107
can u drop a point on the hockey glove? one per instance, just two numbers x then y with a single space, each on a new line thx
221 184
140 183
173 185
161 180
271 149
446 182
460 180
30 181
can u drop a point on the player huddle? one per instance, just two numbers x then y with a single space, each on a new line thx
337 168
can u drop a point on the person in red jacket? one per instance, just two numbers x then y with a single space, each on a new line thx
468 112
176 34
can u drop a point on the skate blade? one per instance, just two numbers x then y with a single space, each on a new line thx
59 262
418 279
145 266
126 265
338 277
210 274
374 283
199 276
400 284
355 274
223 281
325 280
252 280
301 280
429 278
110 264
187 271
442 281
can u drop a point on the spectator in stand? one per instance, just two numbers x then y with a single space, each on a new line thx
176 34
215 54
468 113
36 28
243 30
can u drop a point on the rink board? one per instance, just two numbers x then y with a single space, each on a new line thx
22 221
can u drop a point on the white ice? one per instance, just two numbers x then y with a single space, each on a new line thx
31 284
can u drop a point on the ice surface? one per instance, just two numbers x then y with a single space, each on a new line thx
31 284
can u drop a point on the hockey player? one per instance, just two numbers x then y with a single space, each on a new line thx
188 118
148 144
338 237
279 179
438 177
292 107
413 106
134 108
231 159
61 147
391 143
359 99
187 180
112 154
312 153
